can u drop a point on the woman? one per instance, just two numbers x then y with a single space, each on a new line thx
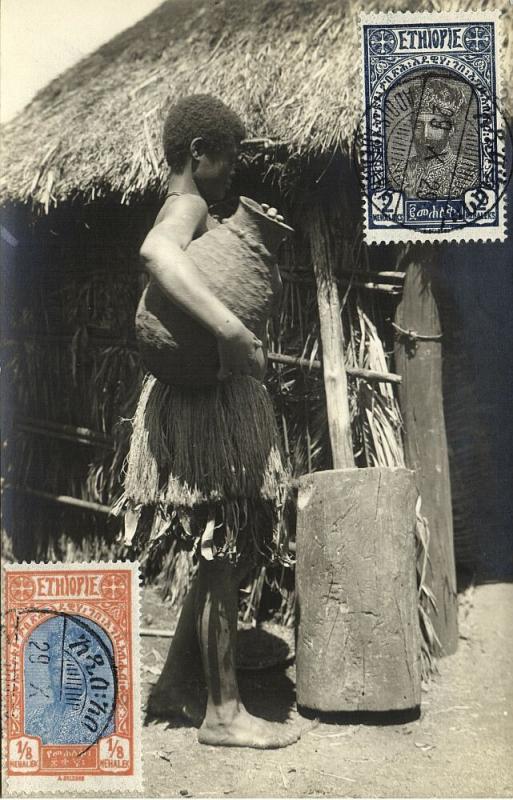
201 139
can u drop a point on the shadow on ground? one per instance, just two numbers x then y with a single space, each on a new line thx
362 717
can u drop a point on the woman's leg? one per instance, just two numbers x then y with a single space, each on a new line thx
226 721
180 688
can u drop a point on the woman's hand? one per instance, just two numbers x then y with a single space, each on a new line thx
272 212
240 352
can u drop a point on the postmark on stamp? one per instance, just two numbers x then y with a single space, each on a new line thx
432 139
71 664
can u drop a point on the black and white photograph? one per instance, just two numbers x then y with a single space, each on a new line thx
257 393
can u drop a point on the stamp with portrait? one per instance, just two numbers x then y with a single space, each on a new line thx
71 663
432 139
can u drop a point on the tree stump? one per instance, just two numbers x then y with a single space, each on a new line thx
358 643
419 362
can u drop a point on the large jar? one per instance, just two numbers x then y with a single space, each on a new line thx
237 261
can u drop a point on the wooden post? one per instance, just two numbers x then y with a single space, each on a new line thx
419 362
358 646
334 372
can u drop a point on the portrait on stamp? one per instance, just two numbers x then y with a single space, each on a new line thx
69 658
432 137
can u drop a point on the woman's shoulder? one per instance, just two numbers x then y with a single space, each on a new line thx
183 204
185 200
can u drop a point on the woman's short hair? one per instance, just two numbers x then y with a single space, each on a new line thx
199 115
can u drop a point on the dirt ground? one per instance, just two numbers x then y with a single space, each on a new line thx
461 746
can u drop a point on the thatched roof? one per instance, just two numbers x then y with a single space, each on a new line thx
290 67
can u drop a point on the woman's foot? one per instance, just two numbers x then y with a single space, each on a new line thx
245 730
188 702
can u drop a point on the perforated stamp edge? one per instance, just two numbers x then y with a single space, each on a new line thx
399 235
113 785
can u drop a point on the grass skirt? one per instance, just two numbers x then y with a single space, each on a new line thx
205 467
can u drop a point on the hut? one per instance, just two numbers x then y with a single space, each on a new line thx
83 177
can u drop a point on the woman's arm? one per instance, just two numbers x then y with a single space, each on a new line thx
164 255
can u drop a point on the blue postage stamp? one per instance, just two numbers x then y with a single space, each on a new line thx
432 139
72 700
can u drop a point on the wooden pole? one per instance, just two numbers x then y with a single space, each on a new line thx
62 499
325 253
59 430
334 370
278 358
353 372
419 362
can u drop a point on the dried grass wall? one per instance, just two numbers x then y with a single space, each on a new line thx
70 286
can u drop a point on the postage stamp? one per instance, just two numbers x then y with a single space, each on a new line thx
71 663
432 139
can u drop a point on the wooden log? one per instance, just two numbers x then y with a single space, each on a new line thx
419 362
358 645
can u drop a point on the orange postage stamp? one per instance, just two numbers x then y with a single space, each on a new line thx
72 677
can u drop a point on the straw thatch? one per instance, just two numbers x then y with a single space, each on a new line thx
290 67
